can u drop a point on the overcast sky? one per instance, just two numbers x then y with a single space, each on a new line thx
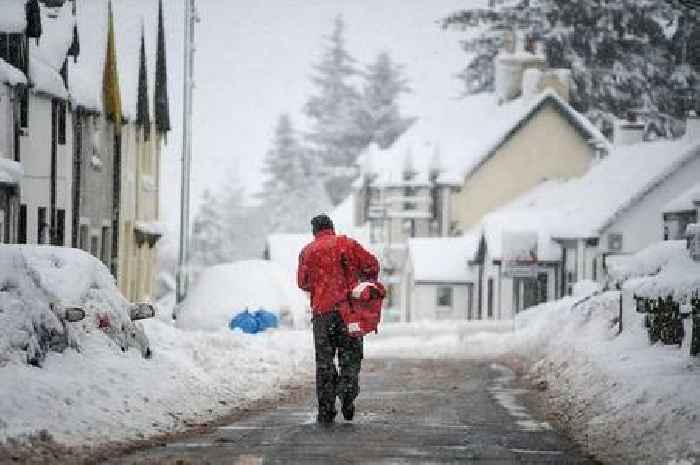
254 60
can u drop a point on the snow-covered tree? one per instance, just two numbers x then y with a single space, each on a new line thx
293 190
622 54
226 228
335 134
379 115
207 232
279 159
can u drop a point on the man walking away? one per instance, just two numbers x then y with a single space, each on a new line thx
329 268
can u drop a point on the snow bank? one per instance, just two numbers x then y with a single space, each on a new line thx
89 389
224 290
102 394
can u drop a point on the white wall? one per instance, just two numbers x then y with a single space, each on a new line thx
424 302
6 123
643 223
36 160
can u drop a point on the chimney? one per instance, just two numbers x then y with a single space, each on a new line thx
692 126
629 132
511 64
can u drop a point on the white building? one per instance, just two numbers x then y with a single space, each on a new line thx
436 283
12 84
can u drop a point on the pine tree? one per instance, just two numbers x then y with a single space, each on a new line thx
379 115
293 190
623 54
278 160
336 136
208 233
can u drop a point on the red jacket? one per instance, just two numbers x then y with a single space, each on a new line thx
331 266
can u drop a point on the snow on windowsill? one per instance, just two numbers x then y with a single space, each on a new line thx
11 172
148 184
96 162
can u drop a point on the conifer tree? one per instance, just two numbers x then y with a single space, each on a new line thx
379 114
623 55
335 134
293 190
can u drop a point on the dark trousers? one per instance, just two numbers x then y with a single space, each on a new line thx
331 336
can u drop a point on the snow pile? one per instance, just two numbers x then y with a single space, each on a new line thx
108 395
222 291
46 57
685 201
32 279
89 389
11 172
11 75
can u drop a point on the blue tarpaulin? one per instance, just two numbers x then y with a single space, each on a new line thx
252 323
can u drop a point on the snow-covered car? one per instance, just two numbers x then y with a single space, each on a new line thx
52 298
223 291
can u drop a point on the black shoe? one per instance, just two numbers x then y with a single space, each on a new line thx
348 410
325 418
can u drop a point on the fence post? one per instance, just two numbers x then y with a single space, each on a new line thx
619 330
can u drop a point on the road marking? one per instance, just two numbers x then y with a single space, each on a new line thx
537 452
233 427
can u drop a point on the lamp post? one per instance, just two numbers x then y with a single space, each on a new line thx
188 84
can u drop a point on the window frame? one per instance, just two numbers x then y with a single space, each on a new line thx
444 296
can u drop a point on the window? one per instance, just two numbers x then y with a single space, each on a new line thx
94 245
59 120
2 226
409 227
24 108
470 302
83 240
106 242
489 290
615 242
60 238
22 234
42 226
444 297
13 50
376 231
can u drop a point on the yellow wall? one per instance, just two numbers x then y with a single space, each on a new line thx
547 147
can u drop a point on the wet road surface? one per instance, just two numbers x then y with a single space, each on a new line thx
409 412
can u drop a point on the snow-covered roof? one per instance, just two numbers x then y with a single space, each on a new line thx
511 234
45 79
11 75
685 201
11 172
13 17
442 260
284 249
509 118
442 140
86 75
47 55
460 137
584 207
